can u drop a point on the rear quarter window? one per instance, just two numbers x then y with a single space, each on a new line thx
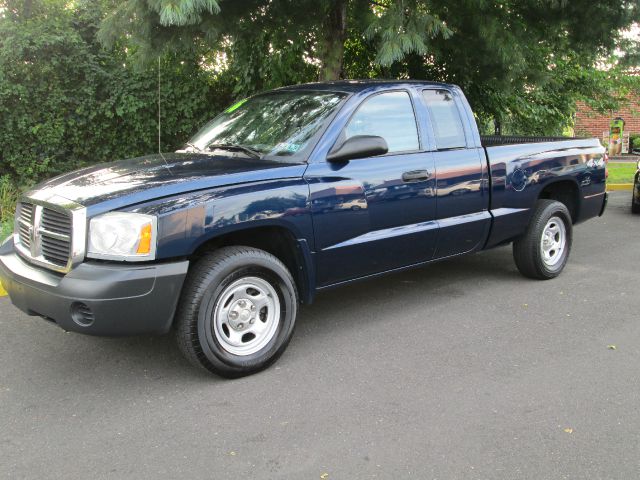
445 119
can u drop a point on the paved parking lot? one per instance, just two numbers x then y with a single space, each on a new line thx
462 369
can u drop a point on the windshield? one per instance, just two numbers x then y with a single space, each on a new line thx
273 124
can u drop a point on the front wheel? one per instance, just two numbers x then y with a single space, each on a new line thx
237 311
542 252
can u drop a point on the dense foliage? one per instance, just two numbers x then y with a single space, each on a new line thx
523 64
67 102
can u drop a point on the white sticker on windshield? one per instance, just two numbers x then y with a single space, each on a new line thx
288 147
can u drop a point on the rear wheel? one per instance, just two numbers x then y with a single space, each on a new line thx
635 206
542 252
237 311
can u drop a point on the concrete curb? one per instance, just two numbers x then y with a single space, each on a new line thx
620 186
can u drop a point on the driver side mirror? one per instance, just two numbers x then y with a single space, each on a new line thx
360 146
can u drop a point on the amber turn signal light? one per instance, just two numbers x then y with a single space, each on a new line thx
144 247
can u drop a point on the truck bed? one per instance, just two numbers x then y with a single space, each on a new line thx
521 168
496 140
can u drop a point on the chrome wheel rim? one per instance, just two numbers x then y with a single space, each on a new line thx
246 316
553 242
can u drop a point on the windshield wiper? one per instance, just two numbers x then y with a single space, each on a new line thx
195 147
234 147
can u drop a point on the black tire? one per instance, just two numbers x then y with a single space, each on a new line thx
527 250
207 280
635 207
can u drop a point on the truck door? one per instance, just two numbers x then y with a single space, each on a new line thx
375 214
461 178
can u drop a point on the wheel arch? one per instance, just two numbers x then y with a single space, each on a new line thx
565 191
277 240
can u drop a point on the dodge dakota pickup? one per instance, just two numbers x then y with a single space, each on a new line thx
284 195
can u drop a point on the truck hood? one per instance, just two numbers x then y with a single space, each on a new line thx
127 182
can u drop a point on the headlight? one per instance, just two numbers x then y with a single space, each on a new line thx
123 236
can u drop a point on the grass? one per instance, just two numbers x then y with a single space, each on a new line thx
6 229
9 195
621 172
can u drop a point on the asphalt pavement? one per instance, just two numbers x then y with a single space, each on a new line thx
459 370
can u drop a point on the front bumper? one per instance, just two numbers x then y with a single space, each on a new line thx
96 298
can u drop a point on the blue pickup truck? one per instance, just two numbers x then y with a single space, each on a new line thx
284 195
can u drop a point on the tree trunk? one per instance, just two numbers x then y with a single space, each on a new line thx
26 9
331 45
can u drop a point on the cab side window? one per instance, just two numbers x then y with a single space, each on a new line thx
387 115
445 119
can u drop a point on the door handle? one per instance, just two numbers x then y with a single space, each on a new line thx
416 176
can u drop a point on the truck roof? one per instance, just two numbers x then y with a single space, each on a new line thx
353 86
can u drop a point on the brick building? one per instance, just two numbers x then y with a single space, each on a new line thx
592 124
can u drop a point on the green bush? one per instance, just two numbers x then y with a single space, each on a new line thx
634 141
65 102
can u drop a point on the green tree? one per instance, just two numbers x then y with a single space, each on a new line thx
308 31
523 58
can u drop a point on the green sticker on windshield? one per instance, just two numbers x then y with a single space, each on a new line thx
236 106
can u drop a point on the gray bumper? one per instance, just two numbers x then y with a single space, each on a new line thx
96 298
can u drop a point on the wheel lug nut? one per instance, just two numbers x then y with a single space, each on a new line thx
233 314
253 307
252 321
240 326
242 303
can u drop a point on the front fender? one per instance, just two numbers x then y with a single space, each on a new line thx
188 221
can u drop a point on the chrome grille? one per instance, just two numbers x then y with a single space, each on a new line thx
44 234
25 222
56 222
55 229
